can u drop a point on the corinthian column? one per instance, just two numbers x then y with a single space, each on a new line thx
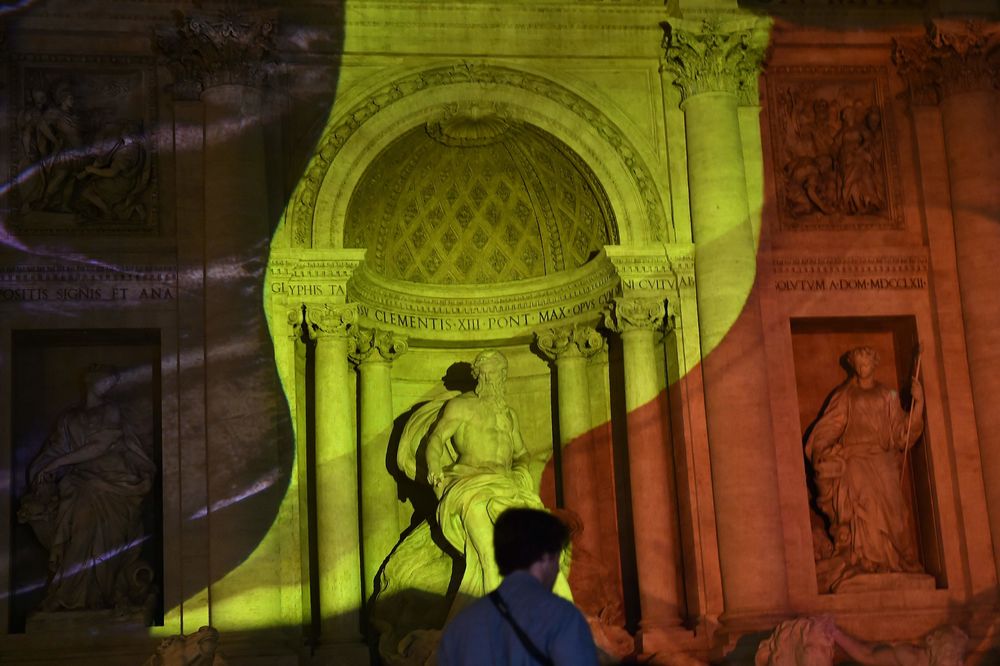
569 348
374 350
955 66
715 66
336 474
651 472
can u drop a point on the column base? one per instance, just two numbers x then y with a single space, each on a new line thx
657 640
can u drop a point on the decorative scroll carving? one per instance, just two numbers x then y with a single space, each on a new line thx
569 341
337 133
229 48
295 316
374 344
81 155
715 56
636 313
835 165
330 320
950 58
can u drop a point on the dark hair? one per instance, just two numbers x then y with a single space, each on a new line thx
521 537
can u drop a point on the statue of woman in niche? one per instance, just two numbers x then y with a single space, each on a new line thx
856 448
87 486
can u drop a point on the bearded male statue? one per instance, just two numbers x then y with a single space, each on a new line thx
468 447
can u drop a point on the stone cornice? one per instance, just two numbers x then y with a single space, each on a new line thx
572 341
229 48
952 57
500 312
715 56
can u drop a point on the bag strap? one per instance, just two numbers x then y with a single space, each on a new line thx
525 641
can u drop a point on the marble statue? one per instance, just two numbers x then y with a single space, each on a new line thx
945 646
477 465
476 462
84 503
197 649
806 641
856 449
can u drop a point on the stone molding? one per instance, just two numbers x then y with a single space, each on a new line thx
905 271
572 341
344 125
499 311
635 313
376 345
323 321
950 58
228 48
714 55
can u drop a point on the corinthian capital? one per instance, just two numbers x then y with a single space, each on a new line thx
952 57
632 313
715 56
233 47
571 341
330 320
373 344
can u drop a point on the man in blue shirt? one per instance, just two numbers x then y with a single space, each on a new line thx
539 627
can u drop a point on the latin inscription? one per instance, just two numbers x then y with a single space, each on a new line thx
851 284
308 289
486 323
661 284
89 294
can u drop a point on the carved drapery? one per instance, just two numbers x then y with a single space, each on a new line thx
230 48
715 56
373 351
336 472
950 58
640 320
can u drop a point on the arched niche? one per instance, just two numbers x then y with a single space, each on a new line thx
361 131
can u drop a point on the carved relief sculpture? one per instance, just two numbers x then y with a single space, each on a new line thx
87 488
831 155
945 646
82 157
804 641
856 450
468 448
197 649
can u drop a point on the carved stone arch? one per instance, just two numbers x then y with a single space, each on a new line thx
355 137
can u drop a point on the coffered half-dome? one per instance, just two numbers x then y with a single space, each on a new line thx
477 199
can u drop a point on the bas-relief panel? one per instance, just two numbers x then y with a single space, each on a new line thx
82 148
834 162
85 451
